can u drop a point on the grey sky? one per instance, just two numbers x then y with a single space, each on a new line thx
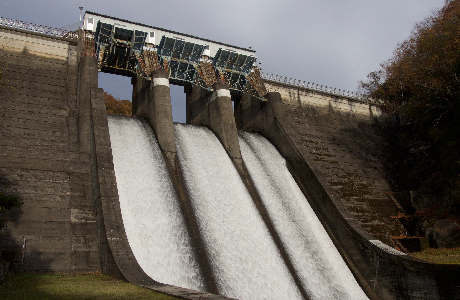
329 42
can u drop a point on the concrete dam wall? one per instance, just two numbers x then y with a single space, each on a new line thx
56 154
42 159
342 140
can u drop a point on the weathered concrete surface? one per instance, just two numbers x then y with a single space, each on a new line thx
55 154
341 140
222 120
301 96
349 153
381 271
152 101
41 159
214 110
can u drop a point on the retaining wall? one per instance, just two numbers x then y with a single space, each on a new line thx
301 96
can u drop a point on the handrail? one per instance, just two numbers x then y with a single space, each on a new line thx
317 87
38 28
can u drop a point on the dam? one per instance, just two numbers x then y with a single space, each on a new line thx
282 195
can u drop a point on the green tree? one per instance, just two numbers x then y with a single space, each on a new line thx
421 85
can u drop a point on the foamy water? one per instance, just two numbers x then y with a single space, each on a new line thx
150 211
322 270
244 257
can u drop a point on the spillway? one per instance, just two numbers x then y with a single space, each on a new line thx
244 258
245 261
151 214
322 270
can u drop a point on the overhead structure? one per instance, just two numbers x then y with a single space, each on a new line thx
133 49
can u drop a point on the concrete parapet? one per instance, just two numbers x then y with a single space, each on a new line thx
302 96
18 40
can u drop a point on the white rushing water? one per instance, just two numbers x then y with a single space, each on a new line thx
317 262
243 256
149 206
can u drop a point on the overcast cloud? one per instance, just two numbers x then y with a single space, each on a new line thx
329 42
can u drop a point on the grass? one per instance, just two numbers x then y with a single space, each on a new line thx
81 286
439 256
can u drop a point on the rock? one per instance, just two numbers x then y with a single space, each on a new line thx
446 234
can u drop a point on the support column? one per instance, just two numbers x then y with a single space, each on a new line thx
254 114
152 101
160 112
222 121
196 99
275 105
140 102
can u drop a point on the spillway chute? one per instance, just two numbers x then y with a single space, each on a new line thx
317 262
150 210
245 260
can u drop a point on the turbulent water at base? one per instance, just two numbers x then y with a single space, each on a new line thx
149 206
244 258
322 270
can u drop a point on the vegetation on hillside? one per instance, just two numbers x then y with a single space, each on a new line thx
420 84
117 106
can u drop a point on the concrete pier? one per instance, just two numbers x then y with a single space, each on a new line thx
152 101
214 110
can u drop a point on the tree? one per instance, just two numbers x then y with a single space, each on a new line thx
421 85
117 106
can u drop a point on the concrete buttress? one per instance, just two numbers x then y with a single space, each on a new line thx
88 79
152 101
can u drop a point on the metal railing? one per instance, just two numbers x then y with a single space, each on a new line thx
318 87
38 28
